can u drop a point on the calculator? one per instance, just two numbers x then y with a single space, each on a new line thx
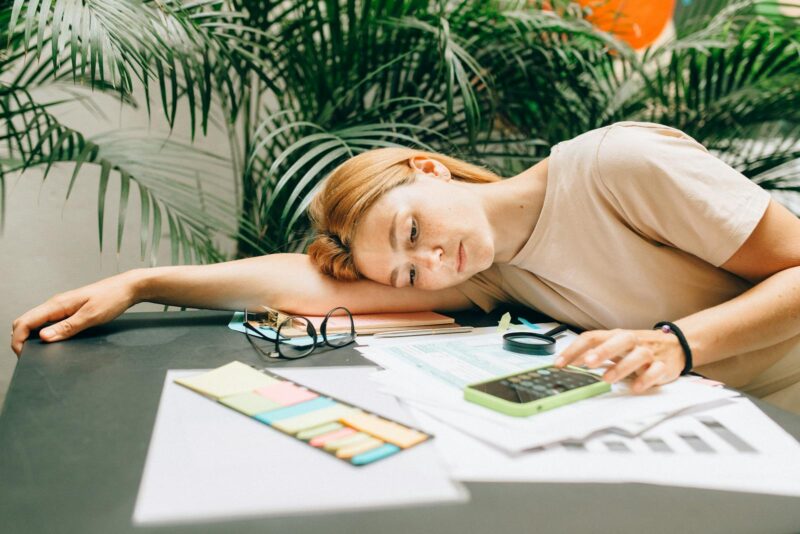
536 390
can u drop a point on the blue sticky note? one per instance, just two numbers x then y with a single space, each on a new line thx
295 410
529 324
375 454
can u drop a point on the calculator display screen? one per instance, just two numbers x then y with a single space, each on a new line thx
533 385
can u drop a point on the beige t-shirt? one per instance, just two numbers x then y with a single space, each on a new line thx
637 218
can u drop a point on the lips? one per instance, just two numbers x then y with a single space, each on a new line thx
462 256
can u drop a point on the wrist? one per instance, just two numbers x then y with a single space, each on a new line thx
674 331
140 284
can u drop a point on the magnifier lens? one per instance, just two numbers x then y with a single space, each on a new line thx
531 340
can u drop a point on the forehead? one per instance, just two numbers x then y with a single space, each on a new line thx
372 252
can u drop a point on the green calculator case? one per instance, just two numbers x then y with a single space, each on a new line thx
489 392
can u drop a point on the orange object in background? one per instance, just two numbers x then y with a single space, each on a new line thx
637 22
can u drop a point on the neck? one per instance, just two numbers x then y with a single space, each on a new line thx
512 207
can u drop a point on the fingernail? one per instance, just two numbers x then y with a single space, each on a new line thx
47 332
591 358
559 361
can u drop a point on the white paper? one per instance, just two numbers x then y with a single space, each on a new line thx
208 462
430 375
772 466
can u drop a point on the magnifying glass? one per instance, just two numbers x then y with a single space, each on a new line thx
532 343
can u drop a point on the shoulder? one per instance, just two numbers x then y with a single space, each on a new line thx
630 150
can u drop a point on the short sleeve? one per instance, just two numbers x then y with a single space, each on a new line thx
485 289
668 187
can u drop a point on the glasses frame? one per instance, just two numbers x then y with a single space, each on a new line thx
250 330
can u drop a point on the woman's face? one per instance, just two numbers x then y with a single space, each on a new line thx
430 234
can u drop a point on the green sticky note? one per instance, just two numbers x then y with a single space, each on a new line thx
318 431
505 322
227 380
249 403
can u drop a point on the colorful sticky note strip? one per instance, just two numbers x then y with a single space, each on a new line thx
341 429
286 393
227 380
249 403
386 430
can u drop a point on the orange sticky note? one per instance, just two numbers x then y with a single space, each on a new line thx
388 431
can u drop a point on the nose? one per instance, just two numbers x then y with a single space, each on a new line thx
431 258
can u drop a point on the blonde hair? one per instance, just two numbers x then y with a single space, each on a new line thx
354 186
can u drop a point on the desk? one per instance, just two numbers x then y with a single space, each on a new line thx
77 421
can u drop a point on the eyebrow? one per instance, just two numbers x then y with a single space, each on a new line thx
392 231
393 242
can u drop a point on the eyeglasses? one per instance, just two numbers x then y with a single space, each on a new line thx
287 343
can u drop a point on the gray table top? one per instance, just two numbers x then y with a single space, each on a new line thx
76 426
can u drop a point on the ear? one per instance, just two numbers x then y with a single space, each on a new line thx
430 167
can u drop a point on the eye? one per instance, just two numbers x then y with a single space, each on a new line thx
414 230
412 275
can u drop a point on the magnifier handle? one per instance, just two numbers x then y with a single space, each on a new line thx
557 330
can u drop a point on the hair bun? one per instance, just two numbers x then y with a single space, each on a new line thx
333 257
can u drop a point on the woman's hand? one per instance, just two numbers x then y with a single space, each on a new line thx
654 356
77 310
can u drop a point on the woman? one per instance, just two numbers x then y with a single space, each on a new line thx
620 228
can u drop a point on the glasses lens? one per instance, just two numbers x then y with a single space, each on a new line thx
339 329
296 344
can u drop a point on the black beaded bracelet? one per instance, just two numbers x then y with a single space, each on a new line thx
671 328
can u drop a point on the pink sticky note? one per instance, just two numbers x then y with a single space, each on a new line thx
320 441
285 393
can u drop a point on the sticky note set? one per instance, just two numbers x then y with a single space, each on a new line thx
347 432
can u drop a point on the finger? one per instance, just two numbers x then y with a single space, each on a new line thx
653 376
52 310
67 328
585 341
631 363
620 343
615 347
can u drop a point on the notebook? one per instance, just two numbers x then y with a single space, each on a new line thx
373 323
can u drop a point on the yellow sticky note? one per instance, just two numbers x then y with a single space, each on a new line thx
358 448
227 380
249 403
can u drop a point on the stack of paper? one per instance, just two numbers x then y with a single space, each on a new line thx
206 462
429 373
686 433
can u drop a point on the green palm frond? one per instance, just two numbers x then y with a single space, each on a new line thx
171 186
183 48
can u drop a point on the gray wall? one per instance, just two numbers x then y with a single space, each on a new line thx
50 246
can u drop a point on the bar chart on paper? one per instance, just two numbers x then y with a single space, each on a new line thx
691 434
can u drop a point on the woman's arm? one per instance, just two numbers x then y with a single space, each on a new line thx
289 282
763 316
767 313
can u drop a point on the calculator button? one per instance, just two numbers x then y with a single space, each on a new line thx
544 372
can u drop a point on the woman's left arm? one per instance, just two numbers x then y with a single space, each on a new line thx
762 316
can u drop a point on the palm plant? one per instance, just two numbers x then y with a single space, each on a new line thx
302 85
